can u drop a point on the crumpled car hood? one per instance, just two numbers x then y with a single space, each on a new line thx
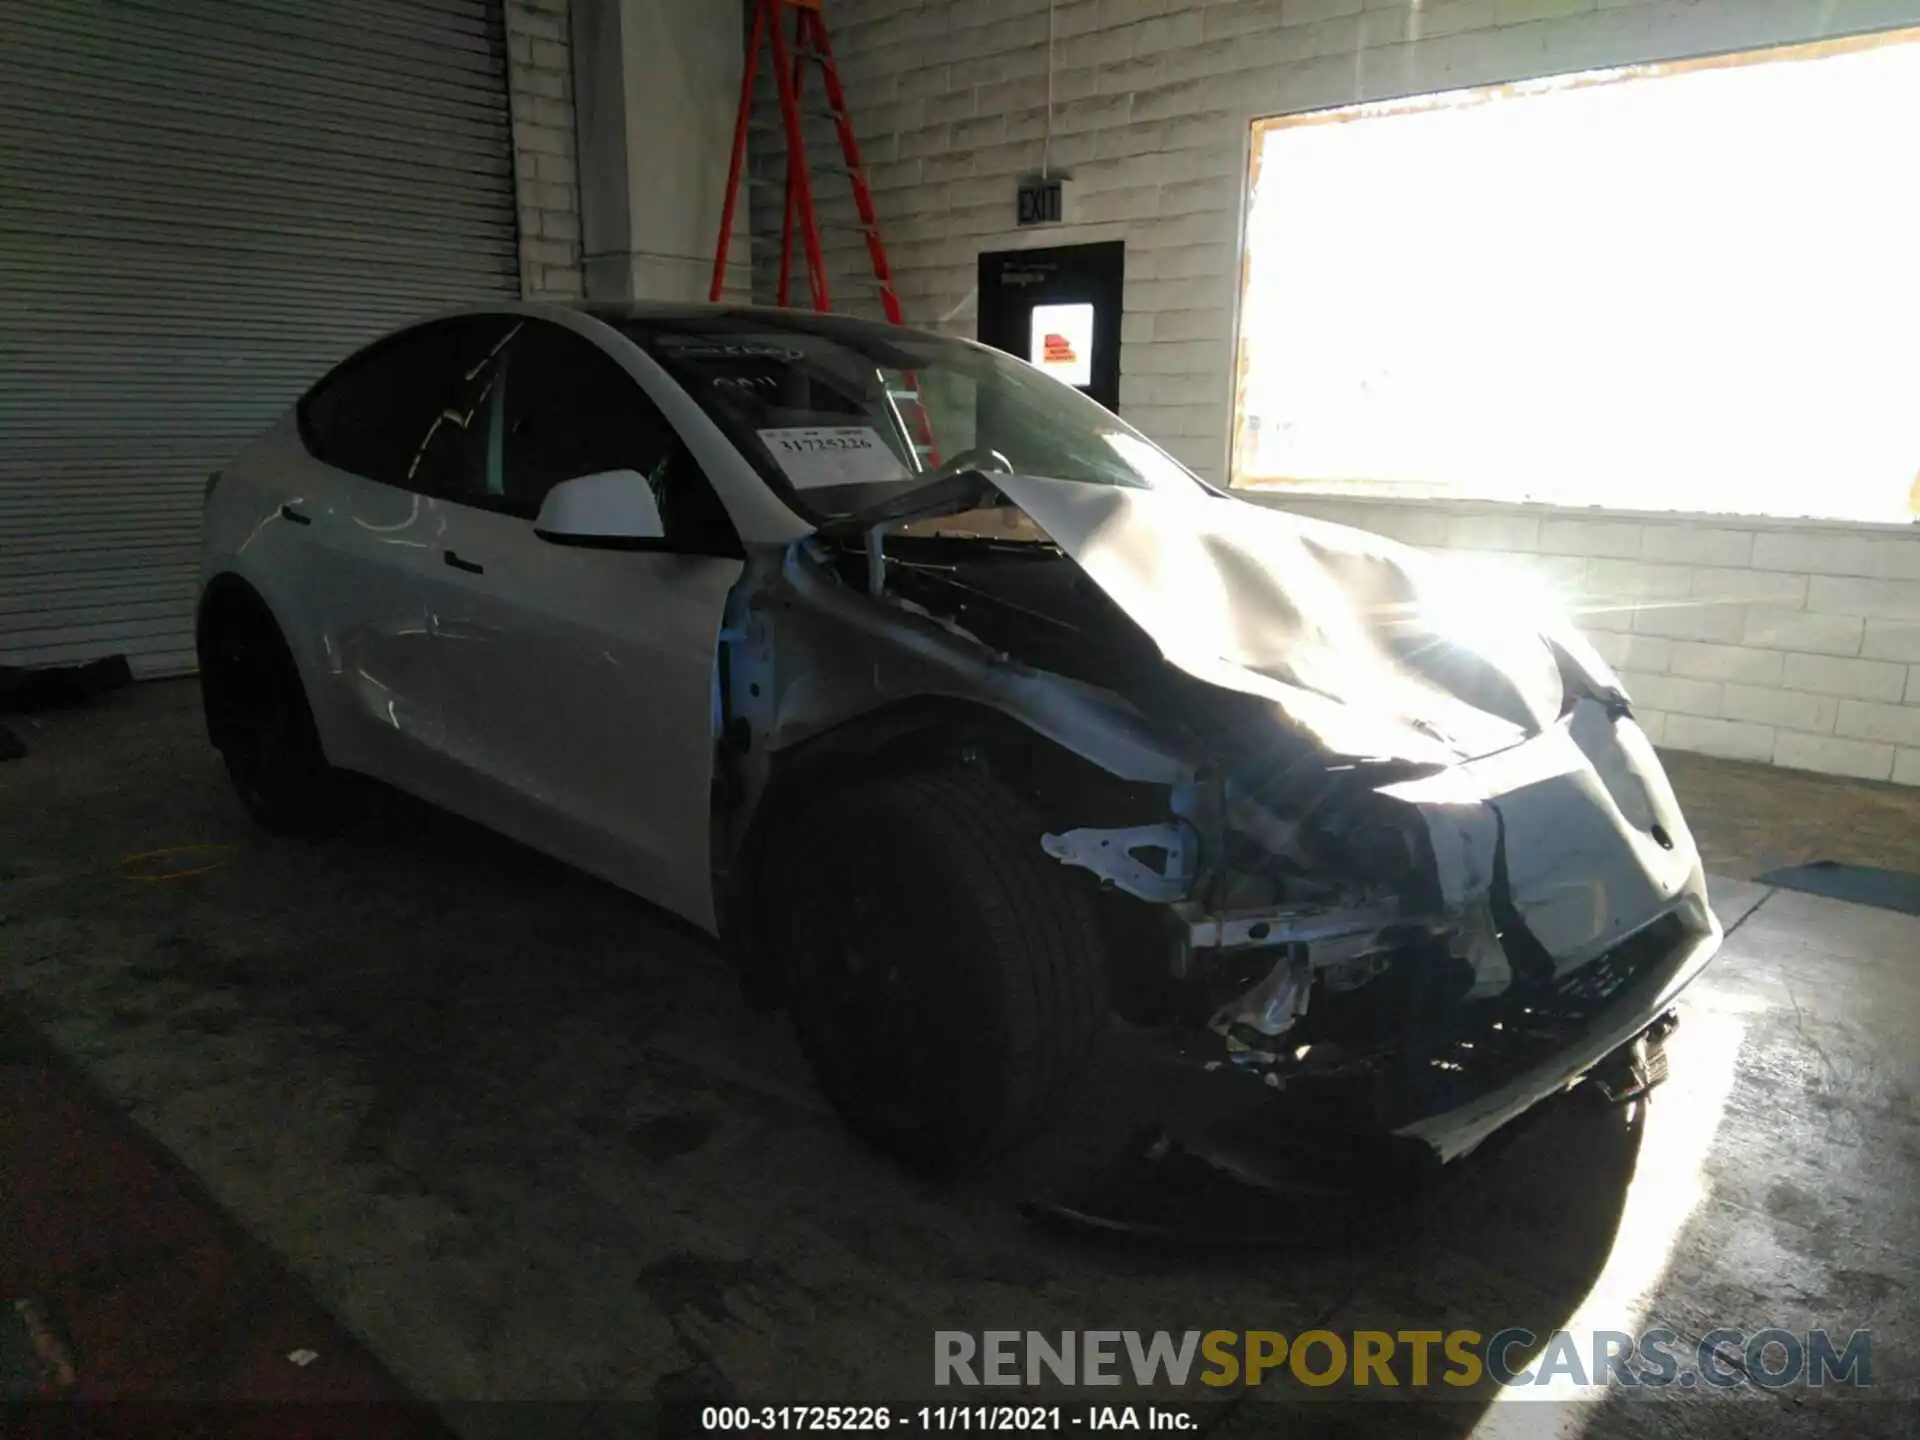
1363 642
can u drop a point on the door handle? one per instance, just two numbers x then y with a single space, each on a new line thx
467 565
287 512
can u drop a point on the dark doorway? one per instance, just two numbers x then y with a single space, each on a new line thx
1059 309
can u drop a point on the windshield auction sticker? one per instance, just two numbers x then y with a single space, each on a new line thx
814 457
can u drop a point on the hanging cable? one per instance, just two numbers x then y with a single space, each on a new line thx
1046 144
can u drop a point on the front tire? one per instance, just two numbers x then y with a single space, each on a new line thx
945 976
258 716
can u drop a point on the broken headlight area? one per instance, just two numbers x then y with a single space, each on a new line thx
1196 905
1376 1035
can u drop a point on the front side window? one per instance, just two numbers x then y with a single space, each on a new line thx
561 408
840 417
567 410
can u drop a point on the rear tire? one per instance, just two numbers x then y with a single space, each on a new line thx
945 976
258 716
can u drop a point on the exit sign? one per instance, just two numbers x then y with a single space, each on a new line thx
1041 201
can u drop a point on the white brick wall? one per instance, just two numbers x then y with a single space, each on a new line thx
1788 665
1796 644
546 178
1152 100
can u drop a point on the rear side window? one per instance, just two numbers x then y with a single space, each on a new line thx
408 410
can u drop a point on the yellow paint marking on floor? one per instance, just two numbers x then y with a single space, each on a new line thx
212 857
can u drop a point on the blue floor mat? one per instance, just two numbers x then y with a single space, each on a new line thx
1863 885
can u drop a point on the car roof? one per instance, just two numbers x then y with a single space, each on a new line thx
768 317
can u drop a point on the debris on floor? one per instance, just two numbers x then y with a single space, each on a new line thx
1166 1192
46 687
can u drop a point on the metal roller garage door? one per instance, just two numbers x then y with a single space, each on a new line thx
203 203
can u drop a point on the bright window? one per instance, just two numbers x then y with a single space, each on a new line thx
1689 287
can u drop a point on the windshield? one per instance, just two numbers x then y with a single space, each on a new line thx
842 416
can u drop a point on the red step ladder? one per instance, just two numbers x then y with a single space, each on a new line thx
810 47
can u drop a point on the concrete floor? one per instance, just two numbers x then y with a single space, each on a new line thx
521 1136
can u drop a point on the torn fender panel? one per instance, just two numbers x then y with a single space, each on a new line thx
841 654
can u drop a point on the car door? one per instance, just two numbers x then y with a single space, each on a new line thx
578 682
382 435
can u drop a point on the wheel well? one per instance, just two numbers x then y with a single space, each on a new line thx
938 733
228 603
226 598
1063 789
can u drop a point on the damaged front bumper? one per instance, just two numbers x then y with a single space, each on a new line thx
1649 970
1459 1072
1564 911
1598 899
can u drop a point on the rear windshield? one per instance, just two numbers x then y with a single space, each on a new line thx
842 417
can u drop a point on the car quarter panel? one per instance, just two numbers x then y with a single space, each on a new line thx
338 560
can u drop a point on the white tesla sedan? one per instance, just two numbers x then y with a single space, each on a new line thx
968 715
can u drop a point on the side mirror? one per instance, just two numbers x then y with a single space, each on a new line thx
613 510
